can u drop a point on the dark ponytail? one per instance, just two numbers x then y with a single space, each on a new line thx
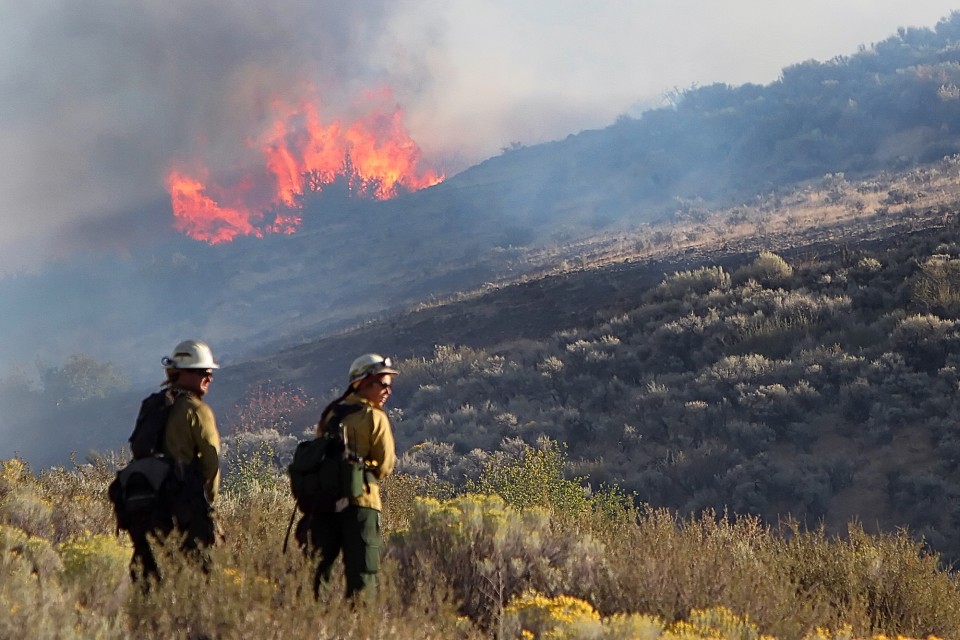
326 411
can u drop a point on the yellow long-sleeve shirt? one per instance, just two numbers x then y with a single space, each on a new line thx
192 435
369 436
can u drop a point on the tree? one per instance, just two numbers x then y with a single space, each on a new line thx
80 379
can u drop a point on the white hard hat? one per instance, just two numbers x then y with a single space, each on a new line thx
370 364
190 354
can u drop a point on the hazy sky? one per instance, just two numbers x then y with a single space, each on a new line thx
100 96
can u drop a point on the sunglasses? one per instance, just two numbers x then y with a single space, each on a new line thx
382 384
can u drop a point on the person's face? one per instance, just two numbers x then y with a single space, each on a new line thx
196 380
376 389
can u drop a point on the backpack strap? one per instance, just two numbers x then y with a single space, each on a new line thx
286 538
340 412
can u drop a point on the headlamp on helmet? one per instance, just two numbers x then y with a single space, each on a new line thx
370 364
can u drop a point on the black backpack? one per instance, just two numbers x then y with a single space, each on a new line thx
147 437
324 473
138 491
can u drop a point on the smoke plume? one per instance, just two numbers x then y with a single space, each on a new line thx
101 97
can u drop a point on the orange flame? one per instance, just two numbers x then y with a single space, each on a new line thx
301 154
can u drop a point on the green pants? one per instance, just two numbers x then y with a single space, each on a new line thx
354 531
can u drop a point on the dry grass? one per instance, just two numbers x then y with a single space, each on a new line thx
468 567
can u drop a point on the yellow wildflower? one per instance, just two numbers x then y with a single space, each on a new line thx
553 618
86 553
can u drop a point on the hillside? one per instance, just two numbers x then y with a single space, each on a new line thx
889 107
604 291
570 285
720 339
818 386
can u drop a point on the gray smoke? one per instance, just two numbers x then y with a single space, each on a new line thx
100 96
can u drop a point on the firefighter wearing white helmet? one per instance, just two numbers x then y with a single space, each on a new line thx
370 364
355 530
192 441
190 354
192 437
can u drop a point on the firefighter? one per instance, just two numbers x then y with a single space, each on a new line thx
355 530
191 441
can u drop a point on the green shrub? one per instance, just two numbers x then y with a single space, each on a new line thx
924 340
92 554
489 552
97 567
400 491
26 509
535 478
666 566
252 470
697 282
454 568
768 269
29 553
77 497
936 289
884 583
